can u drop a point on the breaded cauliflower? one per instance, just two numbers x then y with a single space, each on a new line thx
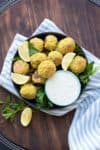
56 57
28 91
50 42
66 45
37 43
36 79
36 59
46 69
78 64
20 67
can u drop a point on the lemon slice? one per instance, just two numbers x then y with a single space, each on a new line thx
24 51
67 59
26 116
19 78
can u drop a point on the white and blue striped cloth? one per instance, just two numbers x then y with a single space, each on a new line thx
84 133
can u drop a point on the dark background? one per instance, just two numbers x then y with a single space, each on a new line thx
79 19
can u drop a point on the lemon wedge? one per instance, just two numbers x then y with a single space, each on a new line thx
19 78
24 51
67 59
26 116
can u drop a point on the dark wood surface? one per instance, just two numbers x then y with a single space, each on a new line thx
79 19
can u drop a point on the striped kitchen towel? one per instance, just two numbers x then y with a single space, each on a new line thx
84 133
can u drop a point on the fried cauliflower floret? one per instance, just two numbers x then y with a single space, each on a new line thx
36 59
66 45
78 64
28 91
46 69
36 79
50 42
20 67
56 57
37 43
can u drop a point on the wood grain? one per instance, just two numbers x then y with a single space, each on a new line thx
79 19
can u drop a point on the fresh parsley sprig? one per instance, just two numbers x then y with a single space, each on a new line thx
16 58
84 77
32 49
42 100
79 51
10 108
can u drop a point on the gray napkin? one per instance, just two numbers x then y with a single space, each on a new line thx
5 78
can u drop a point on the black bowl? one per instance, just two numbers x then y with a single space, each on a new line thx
42 36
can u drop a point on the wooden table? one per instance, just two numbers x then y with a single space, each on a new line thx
79 19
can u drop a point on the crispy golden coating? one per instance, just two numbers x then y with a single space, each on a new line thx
36 59
36 79
50 42
46 69
66 45
56 57
28 91
20 67
37 43
78 64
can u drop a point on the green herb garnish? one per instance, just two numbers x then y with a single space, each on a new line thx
79 51
10 109
32 49
84 77
96 68
42 100
16 58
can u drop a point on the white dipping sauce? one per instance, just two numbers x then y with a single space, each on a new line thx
63 88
